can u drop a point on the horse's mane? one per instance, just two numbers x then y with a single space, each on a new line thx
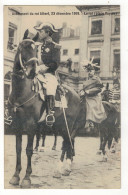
71 90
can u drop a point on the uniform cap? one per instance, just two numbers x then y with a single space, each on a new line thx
46 25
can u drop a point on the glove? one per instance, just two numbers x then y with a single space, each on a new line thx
82 93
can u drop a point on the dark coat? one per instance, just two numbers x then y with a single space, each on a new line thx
50 56
93 85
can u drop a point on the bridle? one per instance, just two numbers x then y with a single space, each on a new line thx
24 64
24 71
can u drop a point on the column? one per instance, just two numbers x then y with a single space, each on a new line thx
105 58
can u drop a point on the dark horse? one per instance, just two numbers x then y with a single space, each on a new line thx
26 108
111 131
108 129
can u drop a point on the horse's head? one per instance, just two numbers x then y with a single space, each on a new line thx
26 57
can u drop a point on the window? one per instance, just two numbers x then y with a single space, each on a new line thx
12 35
76 67
77 31
117 25
96 27
66 32
71 32
7 83
96 57
65 52
116 64
76 51
6 91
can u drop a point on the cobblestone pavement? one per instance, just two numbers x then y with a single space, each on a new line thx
88 170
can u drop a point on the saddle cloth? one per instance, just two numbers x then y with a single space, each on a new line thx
44 86
49 82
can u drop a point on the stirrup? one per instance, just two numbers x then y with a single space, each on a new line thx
50 119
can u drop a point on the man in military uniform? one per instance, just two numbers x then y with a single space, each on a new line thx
48 55
114 98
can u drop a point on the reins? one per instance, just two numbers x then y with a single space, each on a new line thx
15 106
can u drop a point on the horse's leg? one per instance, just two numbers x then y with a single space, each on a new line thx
55 141
69 158
73 150
99 152
113 146
15 179
115 139
109 143
26 182
103 149
111 136
69 145
43 141
58 171
37 140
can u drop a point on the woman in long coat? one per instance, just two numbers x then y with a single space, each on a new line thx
92 89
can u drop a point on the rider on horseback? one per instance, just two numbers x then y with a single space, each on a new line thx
48 55
92 89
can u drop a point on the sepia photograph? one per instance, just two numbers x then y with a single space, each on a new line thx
62 97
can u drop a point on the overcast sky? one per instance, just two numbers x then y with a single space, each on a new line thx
31 20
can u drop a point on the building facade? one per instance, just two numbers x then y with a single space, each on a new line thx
70 49
12 36
99 39
70 46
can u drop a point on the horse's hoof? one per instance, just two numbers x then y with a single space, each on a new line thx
99 153
15 180
42 149
104 159
26 183
73 153
57 174
113 151
66 172
35 150
54 148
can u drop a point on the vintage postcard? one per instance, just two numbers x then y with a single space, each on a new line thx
62 97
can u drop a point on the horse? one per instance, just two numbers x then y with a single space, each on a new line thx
42 132
108 129
26 108
110 135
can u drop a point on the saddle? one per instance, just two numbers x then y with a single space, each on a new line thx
40 87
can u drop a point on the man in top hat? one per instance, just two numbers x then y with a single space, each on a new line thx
92 89
49 56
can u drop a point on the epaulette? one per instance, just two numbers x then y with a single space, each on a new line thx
56 45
